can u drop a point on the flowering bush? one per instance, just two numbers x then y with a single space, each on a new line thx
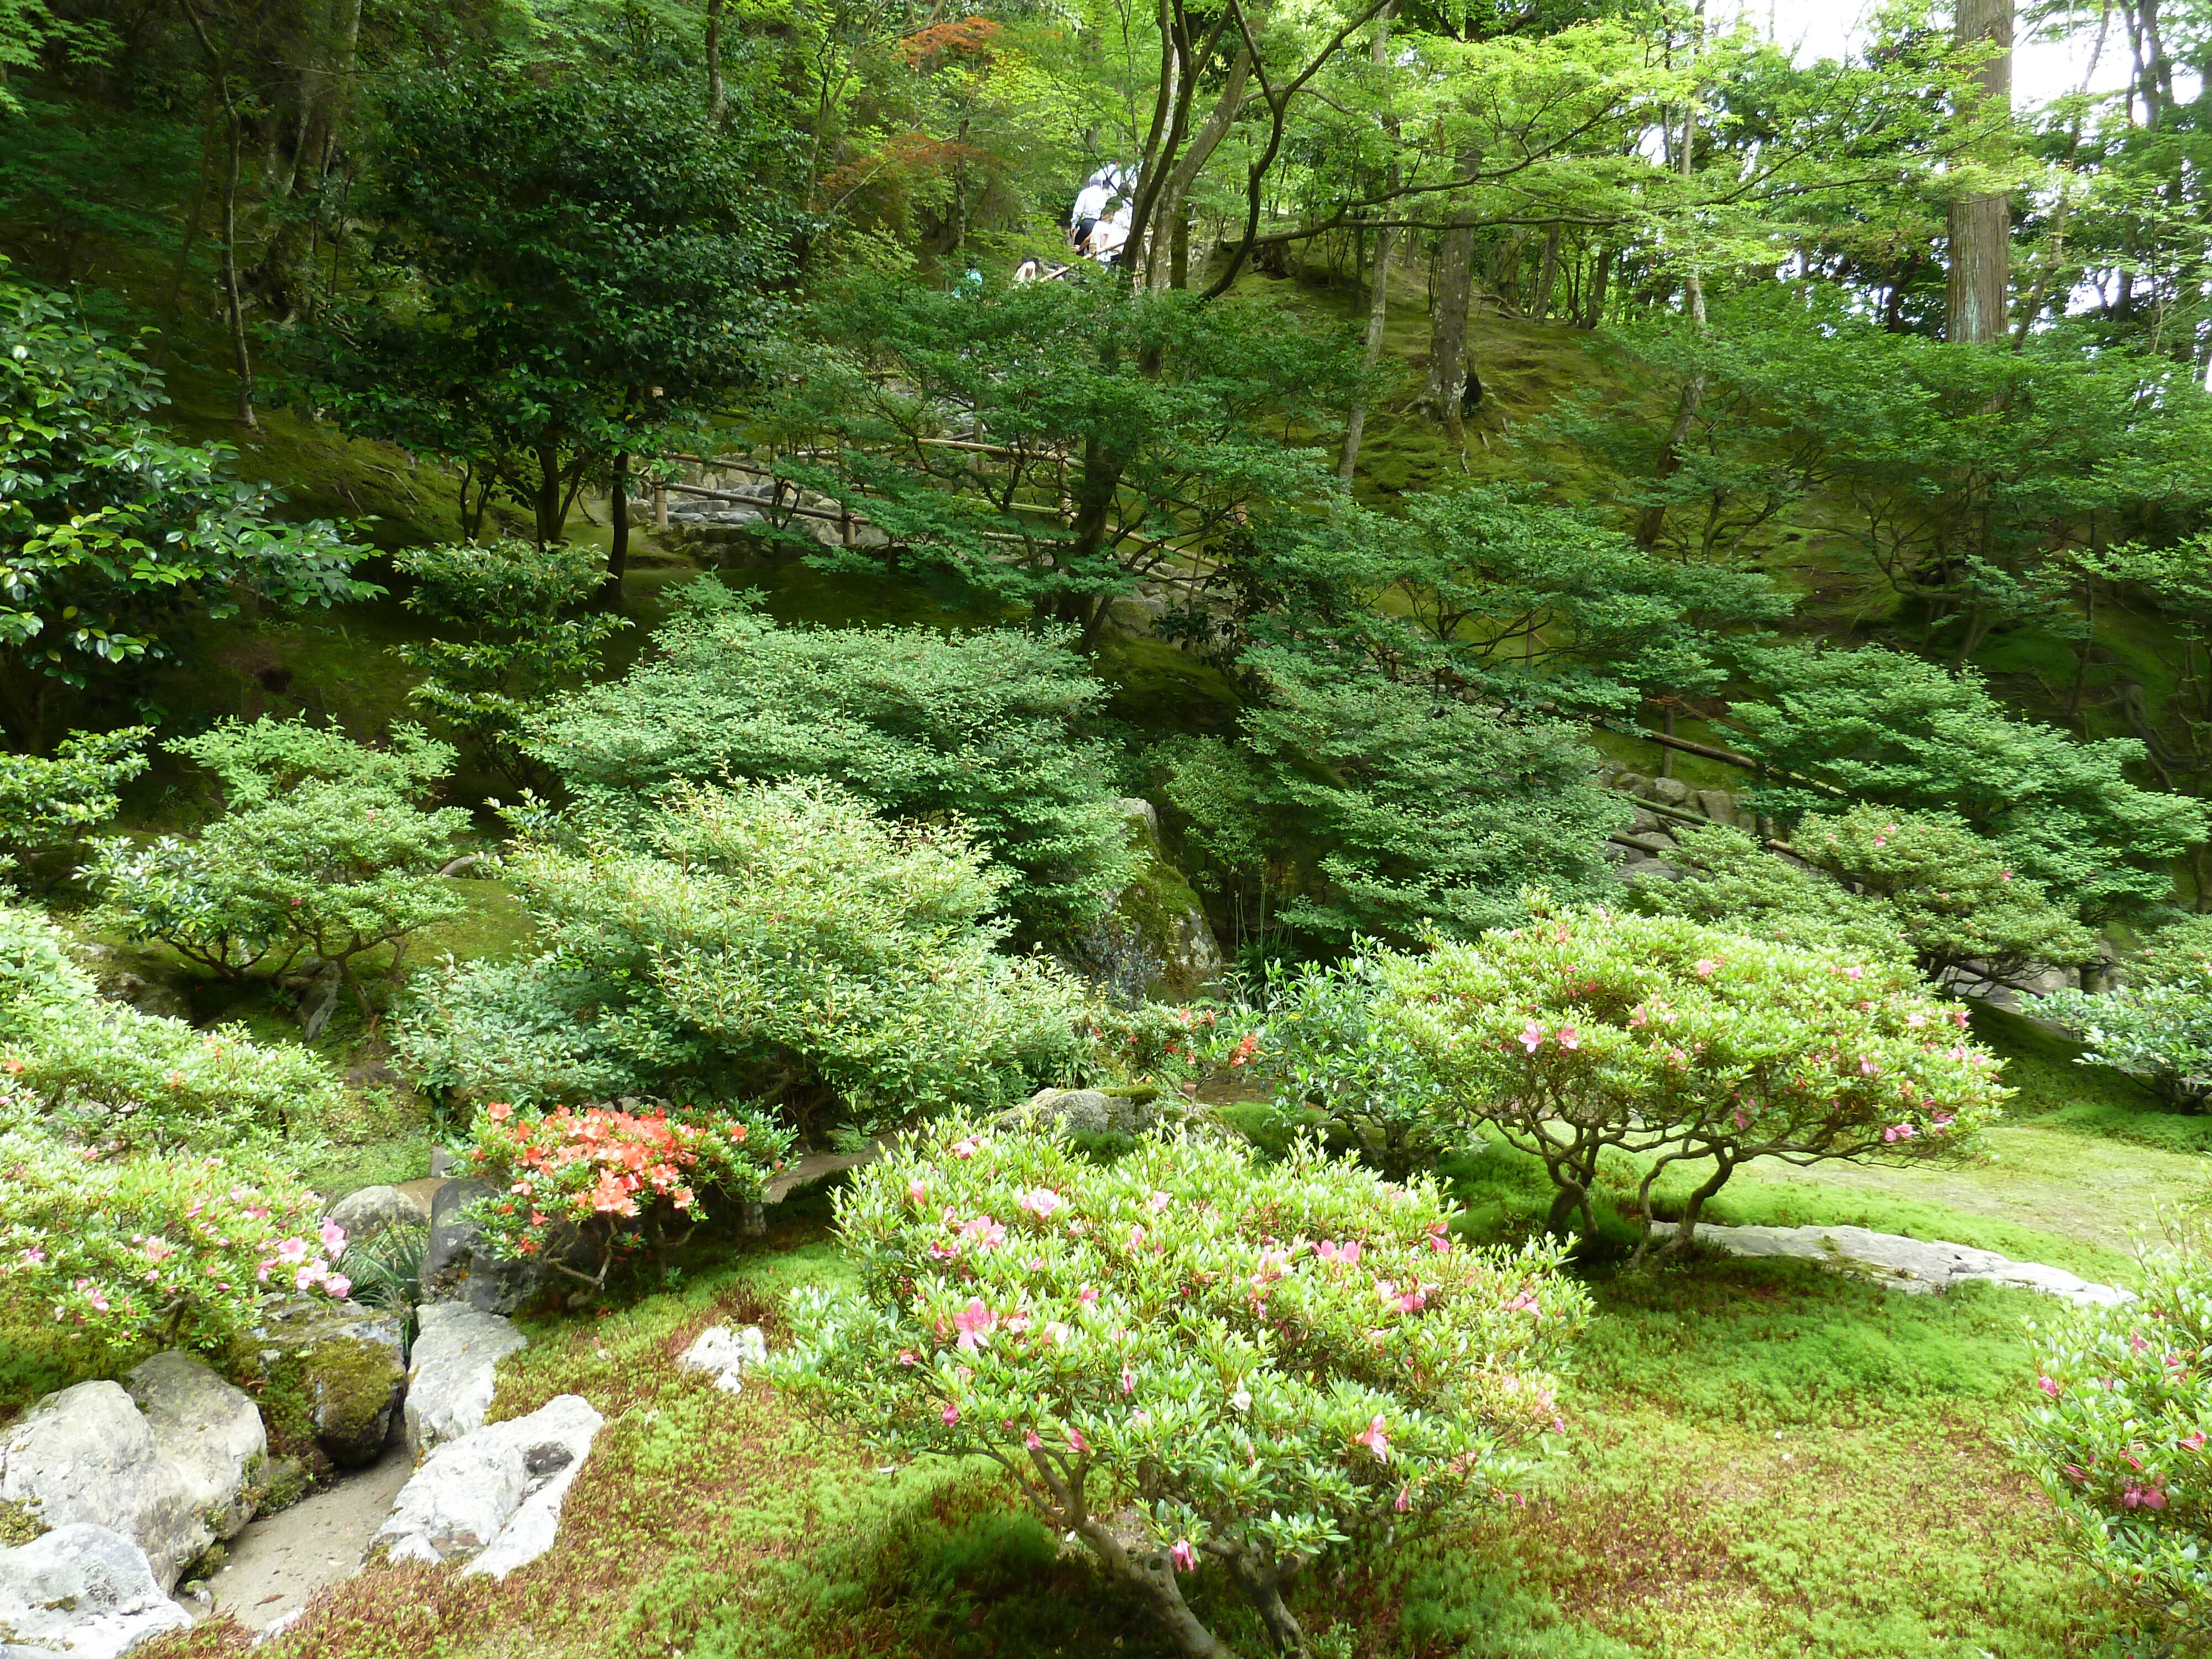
2158 1026
1165 1043
584 1188
1587 1030
167 1250
2120 1431
1182 1355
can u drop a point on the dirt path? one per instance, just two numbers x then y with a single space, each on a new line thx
281 1560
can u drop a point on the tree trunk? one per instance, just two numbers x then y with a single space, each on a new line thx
549 509
1171 214
1601 274
611 591
234 123
1547 275
1447 379
1980 273
718 101
1378 291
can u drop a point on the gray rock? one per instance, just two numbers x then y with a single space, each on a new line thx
494 1494
1916 1267
87 1455
84 1590
1669 791
442 1162
371 1209
1639 867
1718 805
1093 1111
455 1359
1630 782
458 1263
725 1355
209 1433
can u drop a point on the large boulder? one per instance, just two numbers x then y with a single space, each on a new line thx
84 1590
368 1210
456 1358
87 1455
495 1494
336 1374
1153 939
209 1433
458 1264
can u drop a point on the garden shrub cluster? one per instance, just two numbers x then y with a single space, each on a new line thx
1187 1355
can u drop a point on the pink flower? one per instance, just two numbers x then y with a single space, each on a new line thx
1916 1020
1404 1499
2193 1441
1705 966
33 1256
1042 1202
1868 1067
1031 1441
1898 1132
499 1111
338 1285
310 1274
1076 1442
1087 1297
974 1322
1159 1201
1525 1302
987 1234
1570 1037
333 1237
292 1251
1374 1439
1532 1037
907 1357
950 1414
917 1192
1184 1557
1128 1381
1854 973
966 1148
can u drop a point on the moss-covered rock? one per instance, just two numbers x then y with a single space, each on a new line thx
1154 942
334 1379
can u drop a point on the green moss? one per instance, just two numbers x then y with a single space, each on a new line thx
19 1523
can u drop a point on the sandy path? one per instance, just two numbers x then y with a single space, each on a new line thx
281 1560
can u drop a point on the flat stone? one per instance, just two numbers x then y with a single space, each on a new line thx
456 1358
1916 1267
493 1497
725 1355
83 1591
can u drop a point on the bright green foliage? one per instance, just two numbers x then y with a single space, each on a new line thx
584 1189
773 942
1323 1046
1953 895
2179 953
112 535
1478 587
572 271
1883 882
512 631
120 1078
2160 1032
2118 1439
1587 1030
174 1252
1732 882
1404 810
1889 729
985 726
1260 1361
50 802
1121 423
321 855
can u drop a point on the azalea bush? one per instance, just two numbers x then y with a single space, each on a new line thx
778 942
47 802
2119 1431
1163 1043
2158 1027
584 1188
123 1252
1588 1029
1187 1355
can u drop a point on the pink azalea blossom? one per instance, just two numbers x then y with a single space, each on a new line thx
1376 1439
987 1234
974 1322
1404 1499
2049 1385
1128 1381
2193 1441
1159 1202
292 1251
1570 1037
917 1192
1854 973
1525 1302
1705 966
1042 1202
966 1148
1031 1441
1898 1132
1184 1557
950 1414
312 1273
1532 1037
1076 1442
907 1357
1868 1067
334 1238
1087 1297
339 1286
1916 1021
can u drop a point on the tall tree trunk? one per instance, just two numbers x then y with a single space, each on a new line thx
234 301
1172 213
718 101
1981 223
611 591
1548 274
1601 275
550 509
1378 290
1447 380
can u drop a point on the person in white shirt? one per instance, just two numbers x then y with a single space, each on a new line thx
1091 203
